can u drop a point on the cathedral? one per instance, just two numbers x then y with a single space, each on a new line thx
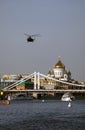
59 72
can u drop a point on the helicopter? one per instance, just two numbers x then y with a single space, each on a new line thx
31 38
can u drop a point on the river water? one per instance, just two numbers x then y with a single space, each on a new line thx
38 115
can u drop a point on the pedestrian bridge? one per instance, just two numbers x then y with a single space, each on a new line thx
37 76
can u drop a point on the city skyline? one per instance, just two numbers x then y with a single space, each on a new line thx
61 25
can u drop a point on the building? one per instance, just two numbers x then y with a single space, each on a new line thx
59 72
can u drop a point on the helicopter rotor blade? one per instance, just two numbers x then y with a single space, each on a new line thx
27 34
36 35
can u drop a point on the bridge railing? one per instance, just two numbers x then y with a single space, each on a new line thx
37 77
60 81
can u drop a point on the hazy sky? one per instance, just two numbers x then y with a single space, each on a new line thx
61 24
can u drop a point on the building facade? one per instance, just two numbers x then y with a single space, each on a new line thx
59 72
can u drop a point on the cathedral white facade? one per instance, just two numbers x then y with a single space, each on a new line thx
59 71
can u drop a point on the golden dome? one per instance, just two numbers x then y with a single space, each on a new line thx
59 64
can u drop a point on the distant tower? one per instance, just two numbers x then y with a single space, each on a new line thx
69 75
65 75
49 73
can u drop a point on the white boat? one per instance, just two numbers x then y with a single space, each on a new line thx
67 97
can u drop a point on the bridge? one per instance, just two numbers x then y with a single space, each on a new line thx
37 85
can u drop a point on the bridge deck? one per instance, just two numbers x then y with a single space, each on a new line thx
41 90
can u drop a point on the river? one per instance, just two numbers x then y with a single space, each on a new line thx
38 115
